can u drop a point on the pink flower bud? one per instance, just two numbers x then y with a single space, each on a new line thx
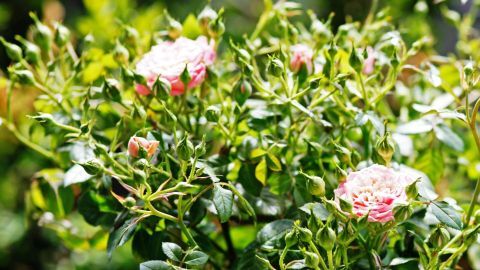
135 144
301 55
374 191
168 60
369 64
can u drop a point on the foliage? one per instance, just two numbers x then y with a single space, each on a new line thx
267 139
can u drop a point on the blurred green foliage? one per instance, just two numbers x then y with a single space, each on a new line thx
22 244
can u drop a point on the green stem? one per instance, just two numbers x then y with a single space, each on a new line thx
330 260
314 248
182 225
37 148
160 214
282 258
9 100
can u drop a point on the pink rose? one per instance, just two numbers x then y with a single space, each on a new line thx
375 190
135 143
301 55
369 64
168 60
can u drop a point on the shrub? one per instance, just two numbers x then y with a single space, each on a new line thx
307 134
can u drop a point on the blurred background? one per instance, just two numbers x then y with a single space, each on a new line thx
23 245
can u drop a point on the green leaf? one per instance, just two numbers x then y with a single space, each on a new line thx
196 258
431 163
121 235
155 265
415 127
279 183
261 171
273 163
446 214
257 153
191 28
172 250
448 137
223 201
400 261
274 230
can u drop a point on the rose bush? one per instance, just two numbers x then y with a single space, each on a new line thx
253 159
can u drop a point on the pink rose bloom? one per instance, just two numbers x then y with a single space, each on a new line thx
168 60
369 64
301 55
135 143
374 191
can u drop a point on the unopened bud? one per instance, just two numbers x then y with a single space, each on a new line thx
354 60
141 147
305 235
242 91
32 51
139 176
385 147
42 34
62 35
13 51
120 53
212 113
326 238
311 259
216 27
185 149
206 16
92 167
276 67
162 88
24 77
291 238
173 26
129 202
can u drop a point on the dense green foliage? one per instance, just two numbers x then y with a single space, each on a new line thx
245 168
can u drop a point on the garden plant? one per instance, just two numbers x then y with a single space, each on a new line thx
296 146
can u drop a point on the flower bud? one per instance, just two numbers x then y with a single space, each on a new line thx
291 238
139 176
62 35
402 212
316 186
314 83
305 235
212 113
141 147
206 16
32 51
348 234
216 27
439 237
92 167
311 259
354 60
42 34
24 77
385 147
186 187
185 149
129 202
141 164
110 90
13 50
130 35
276 67
326 238
242 91
120 53
174 28
200 149
162 88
